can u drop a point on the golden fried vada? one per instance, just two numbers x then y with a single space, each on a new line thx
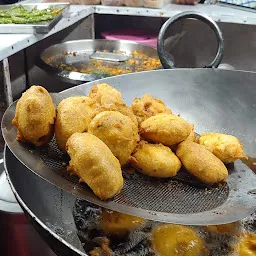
95 164
191 136
155 160
247 246
177 240
34 117
105 95
226 147
166 129
201 163
224 229
73 115
118 224
109 99
117 131
148 106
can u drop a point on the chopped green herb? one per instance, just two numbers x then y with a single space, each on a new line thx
21 15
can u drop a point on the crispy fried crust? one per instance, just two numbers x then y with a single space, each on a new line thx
95 164
201 163
35 116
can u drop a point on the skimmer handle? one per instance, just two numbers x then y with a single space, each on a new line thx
167 59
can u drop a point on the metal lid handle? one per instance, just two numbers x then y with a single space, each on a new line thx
167 59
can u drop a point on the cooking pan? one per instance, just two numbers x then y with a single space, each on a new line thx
227 96
212 99
67 61
63 220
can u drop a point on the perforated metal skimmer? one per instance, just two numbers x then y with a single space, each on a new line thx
180 200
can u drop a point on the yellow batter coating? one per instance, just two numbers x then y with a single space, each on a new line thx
73 115
105 95
109 99
34 117
166 129
118 224
224 229
117 131
191 136
177 240
247 246
226 147
155 160
148 106
95 164
201 163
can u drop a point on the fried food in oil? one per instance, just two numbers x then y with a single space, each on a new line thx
201 163
226 147
35 116
155 160
224 229
148 106
117 131
95 164
166 129
103 250
73 116
177 240
118 224
109 99
247 246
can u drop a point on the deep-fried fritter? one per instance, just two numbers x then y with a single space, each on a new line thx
148 106
166 129
224 229
191 136
109 99
201 163
118 224
177 240
105 95
155 160
117 131
73 115
226 147
247 246
95 164
34 117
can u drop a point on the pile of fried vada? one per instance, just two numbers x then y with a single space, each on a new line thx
101 134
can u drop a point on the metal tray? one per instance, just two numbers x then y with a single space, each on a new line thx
83 49
35 28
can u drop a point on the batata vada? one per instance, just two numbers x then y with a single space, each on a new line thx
155 160
34 117
177 240
118 224
73 115
95 164
247 246
109 99
224 229
105 95
201 163
117 131
166 129
191 136
148 106
226 147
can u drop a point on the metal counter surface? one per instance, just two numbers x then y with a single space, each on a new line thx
13 43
